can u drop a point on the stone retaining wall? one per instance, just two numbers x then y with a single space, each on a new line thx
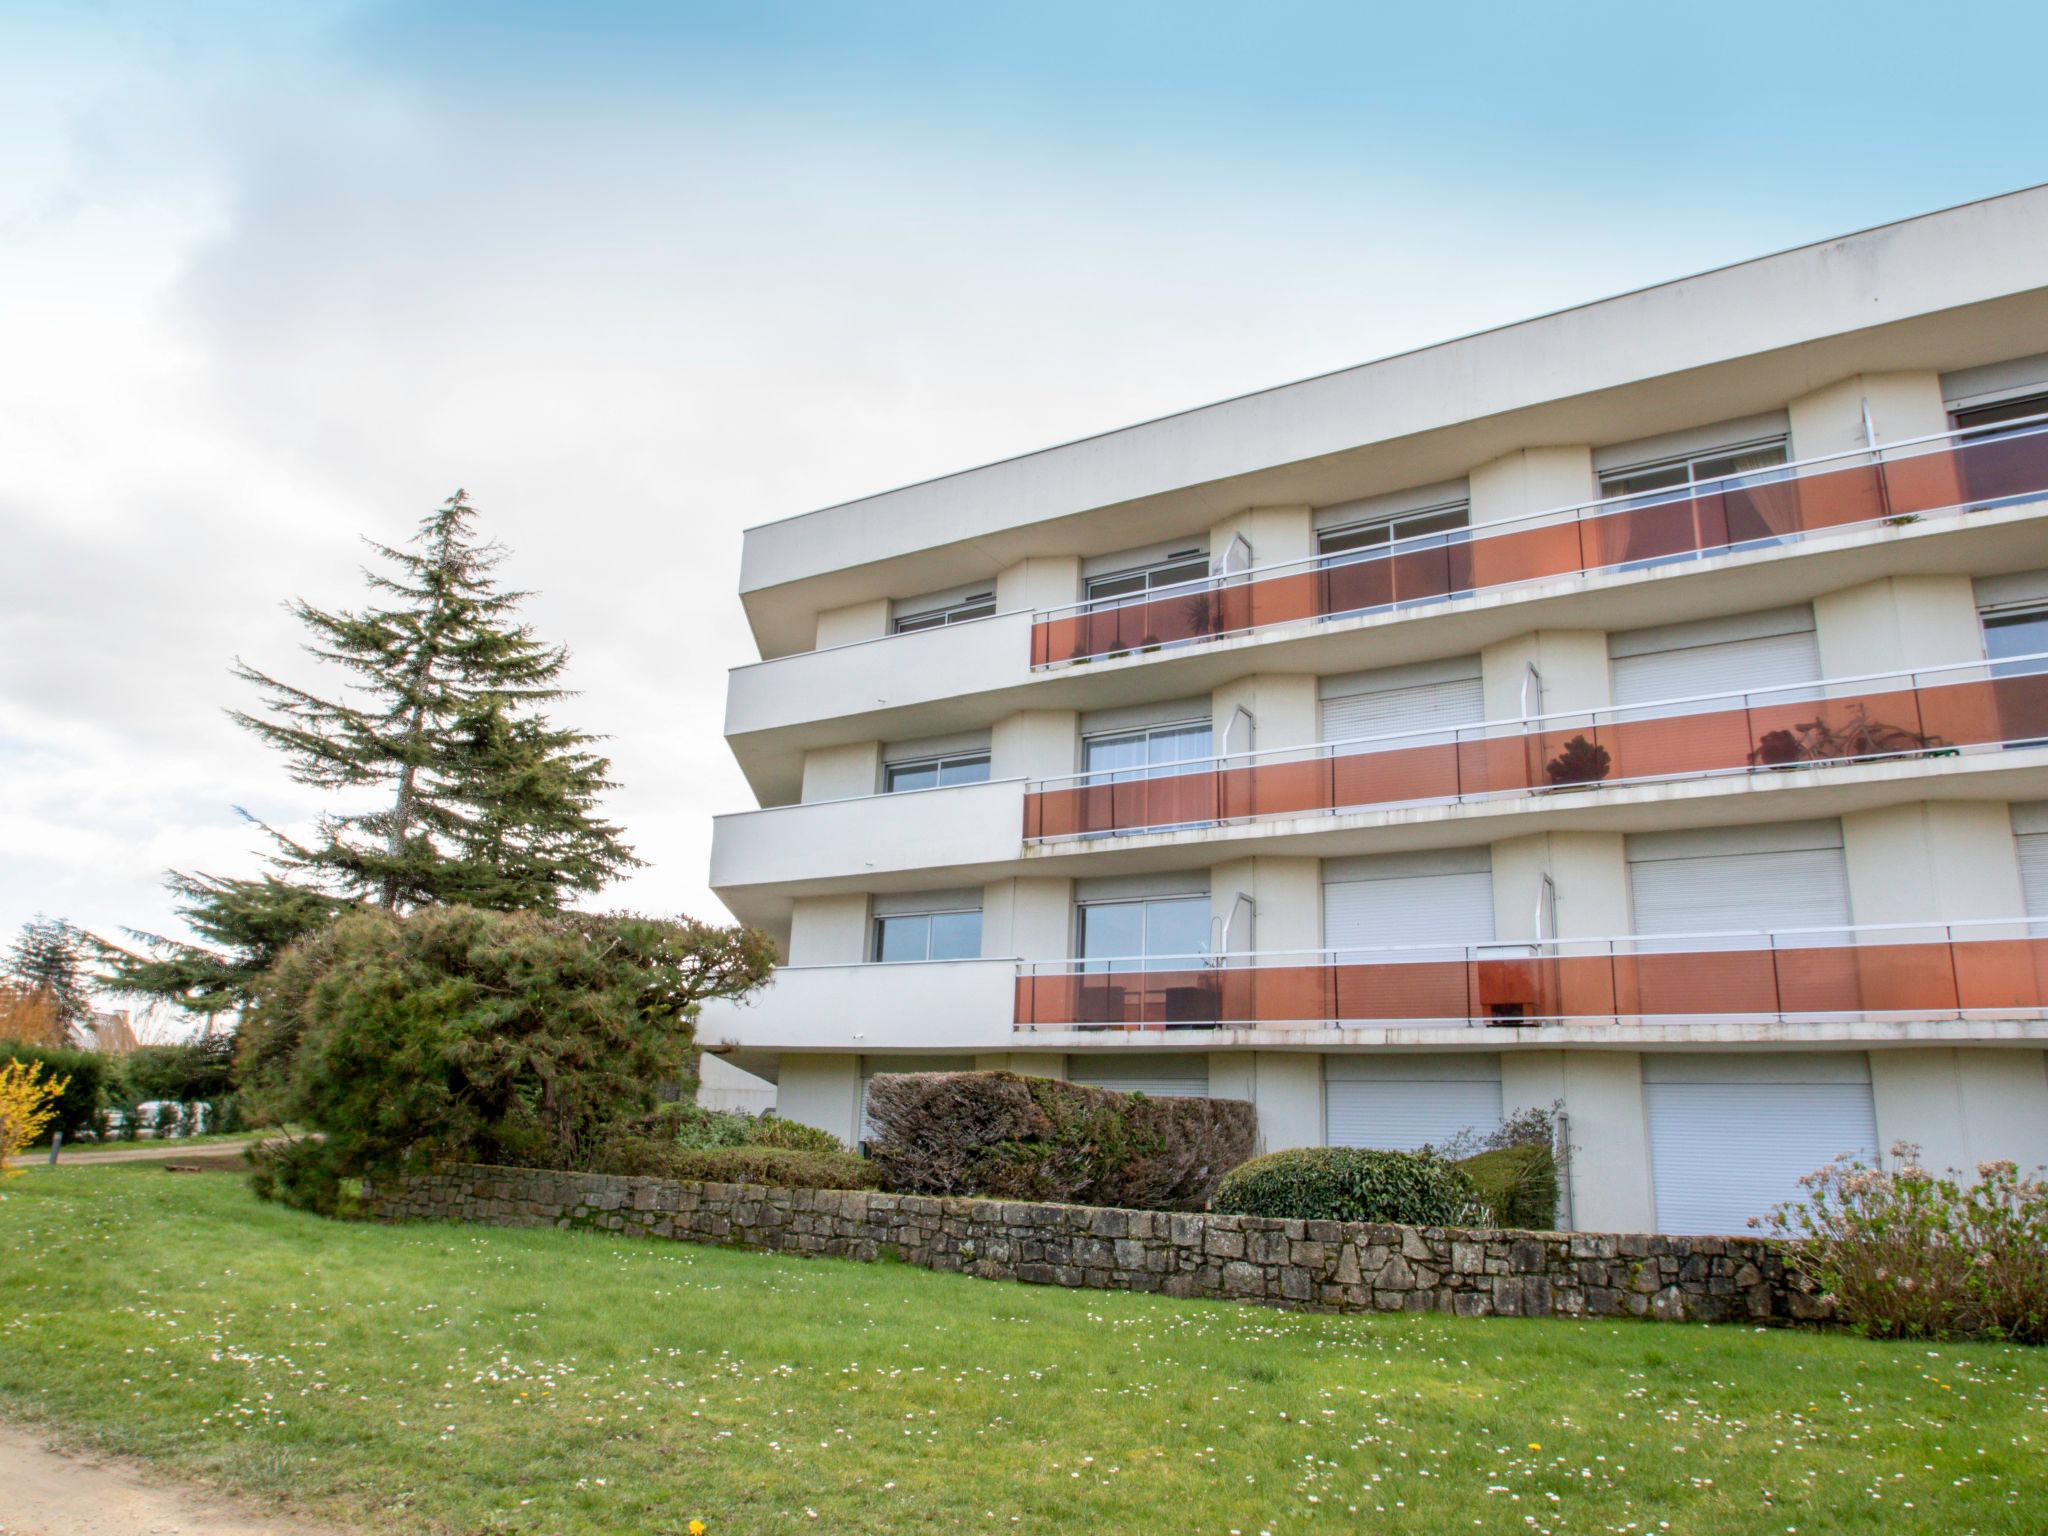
1313 1265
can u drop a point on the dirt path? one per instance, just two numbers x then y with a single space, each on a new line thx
54 1493
171 1151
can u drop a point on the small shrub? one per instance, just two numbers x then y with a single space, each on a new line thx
1417 1189
705 1128
774 1131
1006 1136
1906 1254
779 1167
308 1175
85 1075
29 1095
1517 1185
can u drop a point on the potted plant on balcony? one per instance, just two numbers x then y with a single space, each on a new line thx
1580 765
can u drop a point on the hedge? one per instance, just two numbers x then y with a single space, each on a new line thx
1005 1136
781 1167
79 1106
1414 1189
708 1128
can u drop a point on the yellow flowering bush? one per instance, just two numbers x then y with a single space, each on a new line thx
28 1103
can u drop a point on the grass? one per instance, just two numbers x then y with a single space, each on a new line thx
453 1379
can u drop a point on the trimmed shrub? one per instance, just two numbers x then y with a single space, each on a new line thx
1010 1137
704 1128
83 1097
779 1167
1518 1185
1415 1189
774 1131
1904 1253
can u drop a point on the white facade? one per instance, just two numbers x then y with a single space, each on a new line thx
1642 709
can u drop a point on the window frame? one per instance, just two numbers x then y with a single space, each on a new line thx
1097 965
1192 557
1609 479
1392 523
1145 733
965 610
939 762
878 926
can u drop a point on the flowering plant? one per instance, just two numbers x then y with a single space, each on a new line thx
1906 1253
28 1103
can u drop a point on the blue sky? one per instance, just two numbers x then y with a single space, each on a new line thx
272 277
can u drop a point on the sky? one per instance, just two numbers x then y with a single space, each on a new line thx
276 278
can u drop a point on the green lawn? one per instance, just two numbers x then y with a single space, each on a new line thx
461 1380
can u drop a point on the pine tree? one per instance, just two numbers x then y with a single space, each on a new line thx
48 960
487 803
478 798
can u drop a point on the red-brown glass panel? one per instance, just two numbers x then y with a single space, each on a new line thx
2002 973
1696 982
1422 989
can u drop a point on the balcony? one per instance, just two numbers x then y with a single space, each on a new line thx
1946 475
930 831
950 1005
1923 973
1934 712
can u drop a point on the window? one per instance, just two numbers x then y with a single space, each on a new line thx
1162 931
2016 632
2000 411
1653 480
940 935
1360 540
977 605
1149 753
1176 569
936 772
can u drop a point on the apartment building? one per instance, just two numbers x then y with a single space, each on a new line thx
1641 709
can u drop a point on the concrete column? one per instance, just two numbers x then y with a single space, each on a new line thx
855 622
1609 1133
828 930
1044 581
1933 861
1283 707
1231 1075
1533 480
1902 405
821 1090
1963 1105
1287 902
1895 623
1589 874
1572 664
1275 534
843 772
1028 918
1287 1089
1035 744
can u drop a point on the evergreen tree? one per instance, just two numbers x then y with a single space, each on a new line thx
477 797
48 960
487 803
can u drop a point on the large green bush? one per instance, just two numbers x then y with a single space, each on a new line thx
1034 1138
192 1071
454 1034
1416 1189
79 1106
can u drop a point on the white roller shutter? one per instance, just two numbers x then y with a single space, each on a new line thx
1433 900
1161 1076
1748 651
1399 1103
1739 879
1430 696
2030 836
1731 1136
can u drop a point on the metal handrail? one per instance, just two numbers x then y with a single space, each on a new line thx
1500 729
1521 949
1585 511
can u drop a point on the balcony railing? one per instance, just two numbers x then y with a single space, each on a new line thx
1930 712
1950 472
1938 972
